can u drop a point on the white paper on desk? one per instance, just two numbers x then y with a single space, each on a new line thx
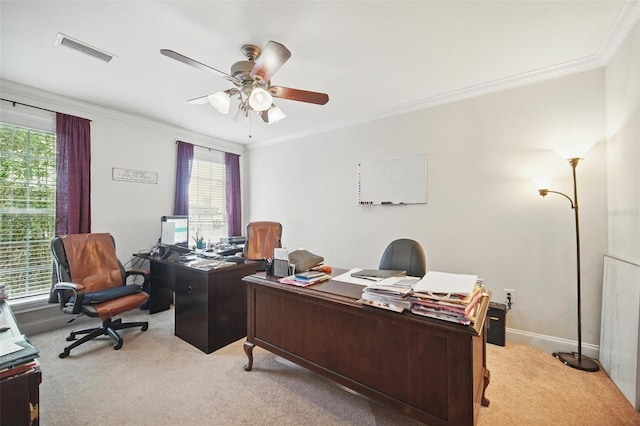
444 282
9 348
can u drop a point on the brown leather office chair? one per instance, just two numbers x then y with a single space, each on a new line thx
262 238
93 282
405 255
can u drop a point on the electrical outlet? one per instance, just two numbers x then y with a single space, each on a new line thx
509 297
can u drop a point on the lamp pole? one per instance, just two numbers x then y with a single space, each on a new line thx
575 359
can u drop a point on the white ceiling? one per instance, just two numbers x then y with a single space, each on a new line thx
373 58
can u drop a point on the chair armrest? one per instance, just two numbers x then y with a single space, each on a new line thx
68 286
138 272
70 296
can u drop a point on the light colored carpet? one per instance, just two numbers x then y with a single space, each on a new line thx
158 379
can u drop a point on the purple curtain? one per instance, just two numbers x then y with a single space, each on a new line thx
183 177
73 179
234 212
73 182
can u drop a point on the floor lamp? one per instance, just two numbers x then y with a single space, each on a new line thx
575 359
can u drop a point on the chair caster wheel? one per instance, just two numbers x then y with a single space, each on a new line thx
64 354
117 345
145 327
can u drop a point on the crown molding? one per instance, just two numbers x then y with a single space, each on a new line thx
51 101
620 29
548 73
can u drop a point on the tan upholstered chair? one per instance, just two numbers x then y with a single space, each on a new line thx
93 282
262 238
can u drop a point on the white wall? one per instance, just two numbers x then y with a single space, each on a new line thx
484 215
623 149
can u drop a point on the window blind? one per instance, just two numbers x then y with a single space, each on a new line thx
27 208
207 195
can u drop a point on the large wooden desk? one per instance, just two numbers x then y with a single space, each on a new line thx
428 369
210 305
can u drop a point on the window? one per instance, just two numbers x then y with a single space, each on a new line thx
207 196
27 208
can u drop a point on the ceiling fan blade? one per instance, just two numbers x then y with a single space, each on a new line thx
198 101
186 60
299 95
273 56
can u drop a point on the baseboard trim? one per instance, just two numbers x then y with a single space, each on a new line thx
550 344
47 317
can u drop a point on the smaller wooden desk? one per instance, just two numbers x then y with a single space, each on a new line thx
210 305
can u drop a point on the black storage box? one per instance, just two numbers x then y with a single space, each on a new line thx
497 323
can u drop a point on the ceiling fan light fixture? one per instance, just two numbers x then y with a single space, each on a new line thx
252 81
242 116
260 99
275 114
220 101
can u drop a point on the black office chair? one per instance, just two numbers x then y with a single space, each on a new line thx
405 255
93 282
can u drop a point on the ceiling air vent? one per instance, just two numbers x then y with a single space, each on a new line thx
64 40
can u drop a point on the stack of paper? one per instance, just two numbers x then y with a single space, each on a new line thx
305 279
391 293
449 297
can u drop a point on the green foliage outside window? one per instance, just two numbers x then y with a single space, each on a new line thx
27 209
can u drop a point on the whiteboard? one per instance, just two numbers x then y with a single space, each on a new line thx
620 324
393 181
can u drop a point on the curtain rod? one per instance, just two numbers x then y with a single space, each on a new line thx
205 147
33 106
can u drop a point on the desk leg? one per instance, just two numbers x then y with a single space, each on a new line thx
248 349
487 377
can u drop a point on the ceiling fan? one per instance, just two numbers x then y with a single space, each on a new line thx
252 78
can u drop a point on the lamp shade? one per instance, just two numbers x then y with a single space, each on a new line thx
575 149
260 99
220 101
275 114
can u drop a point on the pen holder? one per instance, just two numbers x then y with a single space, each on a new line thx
268 266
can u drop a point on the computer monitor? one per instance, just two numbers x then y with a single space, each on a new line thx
174 231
